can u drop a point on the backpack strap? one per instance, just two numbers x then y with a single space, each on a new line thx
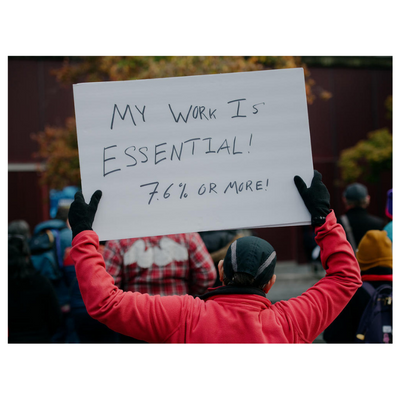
375 293
56 235
349 231
368 288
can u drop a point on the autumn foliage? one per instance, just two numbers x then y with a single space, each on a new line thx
59 148
368 158
58 145
119 68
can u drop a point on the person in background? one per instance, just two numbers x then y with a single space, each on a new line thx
160 265
67 331
58 228
34 313
19 227
356 220
374 256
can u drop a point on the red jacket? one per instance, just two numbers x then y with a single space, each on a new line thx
232 318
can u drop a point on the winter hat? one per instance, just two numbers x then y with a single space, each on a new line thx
355 192
253 256
374 250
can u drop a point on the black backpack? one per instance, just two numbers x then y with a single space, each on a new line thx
376 321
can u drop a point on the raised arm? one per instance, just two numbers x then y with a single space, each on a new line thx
144 317
315 309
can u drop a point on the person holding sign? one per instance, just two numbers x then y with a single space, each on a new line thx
236 312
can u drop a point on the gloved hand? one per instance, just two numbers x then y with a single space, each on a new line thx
81 215
316 198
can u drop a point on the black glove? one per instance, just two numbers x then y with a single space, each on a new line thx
81 215
316 198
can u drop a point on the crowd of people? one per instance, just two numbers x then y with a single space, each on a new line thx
194 287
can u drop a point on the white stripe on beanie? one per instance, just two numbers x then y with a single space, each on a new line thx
233 255
266 263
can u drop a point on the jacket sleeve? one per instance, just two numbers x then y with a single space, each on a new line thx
310 313
149 318
202 272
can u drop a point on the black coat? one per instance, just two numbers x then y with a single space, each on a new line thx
34 313
361 222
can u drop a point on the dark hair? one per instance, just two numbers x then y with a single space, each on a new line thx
19 262
19 227
242 279
357 203
62 213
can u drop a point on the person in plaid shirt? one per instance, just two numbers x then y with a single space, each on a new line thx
165 265
160 265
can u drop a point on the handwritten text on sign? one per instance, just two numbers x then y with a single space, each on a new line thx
194 153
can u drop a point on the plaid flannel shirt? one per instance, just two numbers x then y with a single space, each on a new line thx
165 265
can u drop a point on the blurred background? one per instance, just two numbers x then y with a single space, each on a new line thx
350 116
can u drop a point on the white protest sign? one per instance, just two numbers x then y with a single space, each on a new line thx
193 154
